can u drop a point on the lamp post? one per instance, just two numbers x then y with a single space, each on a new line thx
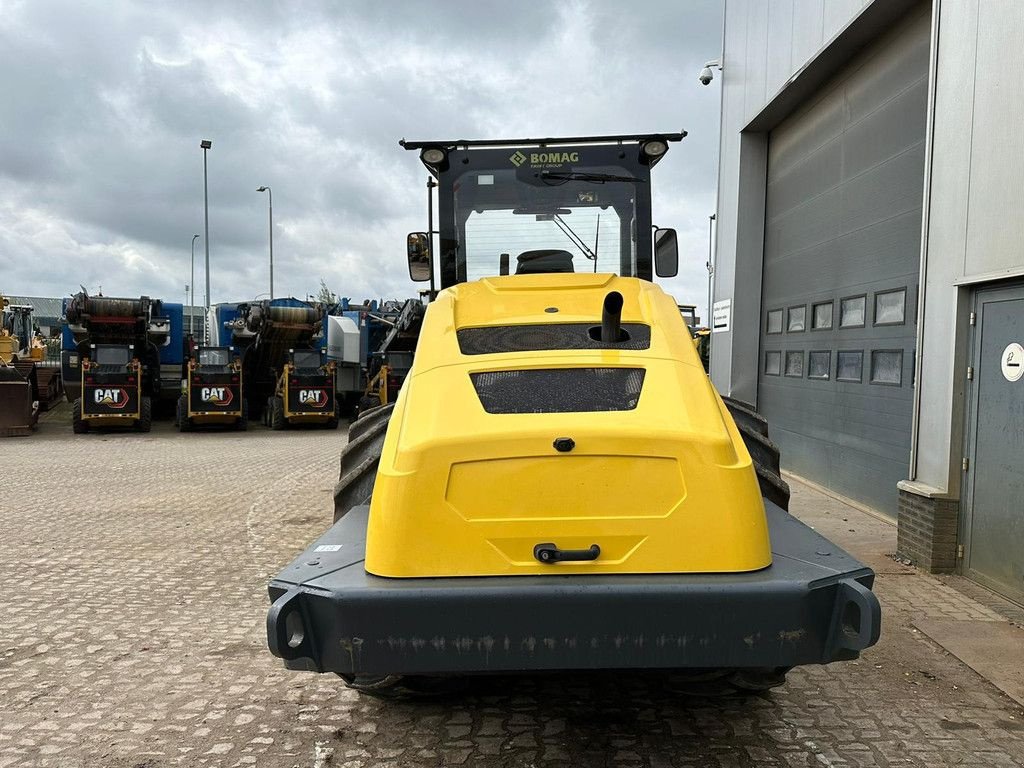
205 144
192 283
710 266
270 199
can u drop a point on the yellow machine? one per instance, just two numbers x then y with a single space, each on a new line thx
19 385
212 391
471 486
558 485
111 393
304 393
377 387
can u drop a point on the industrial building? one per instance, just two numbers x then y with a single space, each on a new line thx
47 313
869 269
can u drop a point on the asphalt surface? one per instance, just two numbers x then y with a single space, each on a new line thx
134 570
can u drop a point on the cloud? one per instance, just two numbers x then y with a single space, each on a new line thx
105 104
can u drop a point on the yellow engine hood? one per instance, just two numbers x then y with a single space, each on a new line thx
661 484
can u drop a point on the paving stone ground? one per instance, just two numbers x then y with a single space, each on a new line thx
133 570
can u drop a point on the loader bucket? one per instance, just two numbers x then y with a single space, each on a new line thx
18 411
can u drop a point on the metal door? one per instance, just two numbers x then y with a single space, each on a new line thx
993 520
841 258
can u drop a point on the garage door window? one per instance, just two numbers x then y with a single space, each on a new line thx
775 321
819 365
821 316
887 367
851 312
850 366
890 307
795 364
797 319
772 363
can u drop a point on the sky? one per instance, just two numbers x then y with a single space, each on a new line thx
104 105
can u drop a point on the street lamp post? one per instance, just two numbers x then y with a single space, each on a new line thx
270 200
192 283
205 144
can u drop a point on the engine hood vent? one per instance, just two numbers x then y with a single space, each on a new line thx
537 337
559 390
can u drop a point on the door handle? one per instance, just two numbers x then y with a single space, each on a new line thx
550 553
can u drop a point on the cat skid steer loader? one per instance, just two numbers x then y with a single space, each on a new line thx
558 485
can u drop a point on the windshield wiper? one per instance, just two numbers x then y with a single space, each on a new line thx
577 240
595 178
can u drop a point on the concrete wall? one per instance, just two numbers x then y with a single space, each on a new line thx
975 215
766 44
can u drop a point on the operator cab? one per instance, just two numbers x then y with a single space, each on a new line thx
111 358
541 206
214 359
306 360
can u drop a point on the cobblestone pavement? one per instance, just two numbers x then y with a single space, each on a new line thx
134 571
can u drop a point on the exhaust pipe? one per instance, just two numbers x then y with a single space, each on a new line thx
611 318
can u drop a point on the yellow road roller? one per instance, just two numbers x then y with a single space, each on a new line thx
558 485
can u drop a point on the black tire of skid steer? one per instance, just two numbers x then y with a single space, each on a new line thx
360 458
78 425
145 422
753 428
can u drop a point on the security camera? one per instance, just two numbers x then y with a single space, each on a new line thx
708 74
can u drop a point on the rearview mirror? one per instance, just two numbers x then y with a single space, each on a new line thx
666 253
417 246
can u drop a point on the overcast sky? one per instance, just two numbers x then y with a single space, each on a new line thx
104 105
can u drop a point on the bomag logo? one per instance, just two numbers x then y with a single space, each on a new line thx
317 398
221 396
110 397
544 159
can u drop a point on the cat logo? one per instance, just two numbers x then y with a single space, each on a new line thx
314 397
221 396
111 398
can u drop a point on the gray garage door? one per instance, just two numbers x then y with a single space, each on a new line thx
842 244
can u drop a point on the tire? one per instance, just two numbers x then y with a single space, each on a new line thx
79 425
276 417
359 460
243 421
744 413
404 687
366 403
145 422
184 422
753 428
331 423
726 682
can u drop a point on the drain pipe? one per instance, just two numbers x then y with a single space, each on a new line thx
922 278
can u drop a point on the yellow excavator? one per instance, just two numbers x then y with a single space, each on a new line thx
19 387
558 485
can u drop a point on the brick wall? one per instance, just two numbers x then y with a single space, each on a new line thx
927 532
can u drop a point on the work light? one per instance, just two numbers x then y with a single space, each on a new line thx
655 147
432 155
